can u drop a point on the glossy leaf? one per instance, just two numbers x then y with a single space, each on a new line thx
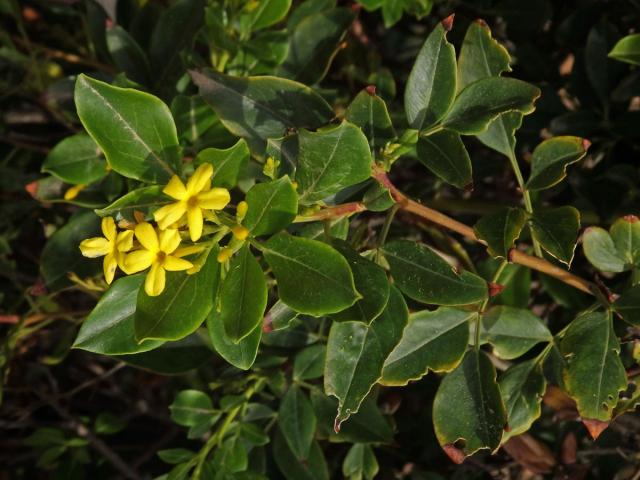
360 463
600 250
378 198
550 160
446 156
272 206
500 230
142 147
77 160
371 282
144 200
109 328
191 407
240 354
297 422
628 305
312 468
243 296
309 363
522 387
172 358
468 412
258 108
512 331
228 164
312 277
356 354
183 305
594 374
193 117
431 86
557 231
627 49
501 133
424 276
483 100
625 233
267 13
433 340
331 160
127 55
369 112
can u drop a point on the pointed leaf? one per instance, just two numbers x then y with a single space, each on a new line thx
434 341
77 160
240 354
309 363
500 230
331 160
431 85
312 468
501 133
369 112
600 250
356 354
144 200
136 145
424 276
127 55
627 49
445 155
594 374
557 231
272 206
550 160
267 13
312 277
228 164
297 422
360 462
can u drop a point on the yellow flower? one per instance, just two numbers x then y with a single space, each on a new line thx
192 199
112 247
73 192
161 253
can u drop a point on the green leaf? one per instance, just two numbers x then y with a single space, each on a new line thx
500 134
356 354
109 327
594 374
331 160
378 198
625 233
182 306
241 354
627 49
371 282
144 200
369 112
312 277
500 230
243 296
191 408
431 86
601 71
433 341
313 43
267 13
297 422
360 462
228 164
445 155
127 55
272 206
314 467
512 331
61 255
309 363
193 117
522 387
557 231
483 100
600 250
139 146
172 358
551 158
259 108
77 160
173 456
424 276
628 305
468 413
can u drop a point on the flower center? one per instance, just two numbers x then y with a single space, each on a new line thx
193 201
160 256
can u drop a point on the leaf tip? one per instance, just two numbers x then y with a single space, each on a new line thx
371 90
456 455
495 289
482 23
468 187
630 218
447 23
586 144
337 423
595 427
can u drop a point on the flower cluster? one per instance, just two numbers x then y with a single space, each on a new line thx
158 248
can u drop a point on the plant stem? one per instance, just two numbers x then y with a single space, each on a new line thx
483 307
385 229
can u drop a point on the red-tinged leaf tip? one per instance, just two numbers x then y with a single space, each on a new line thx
510 255
108 24
371 90
456 455
612 297
30 14
468 187
32 188
356 7
267 324
9 319
495 289
586 144
38 289
447 23
630 218
336 424
506 427
595 427
481 22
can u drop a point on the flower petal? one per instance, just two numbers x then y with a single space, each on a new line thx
155 281
169 240
200 180
120 259
175 188
95 247
138 261
124 241
194 219
214 199
109 228
174 264
147 236
190 250
109 266
169 214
